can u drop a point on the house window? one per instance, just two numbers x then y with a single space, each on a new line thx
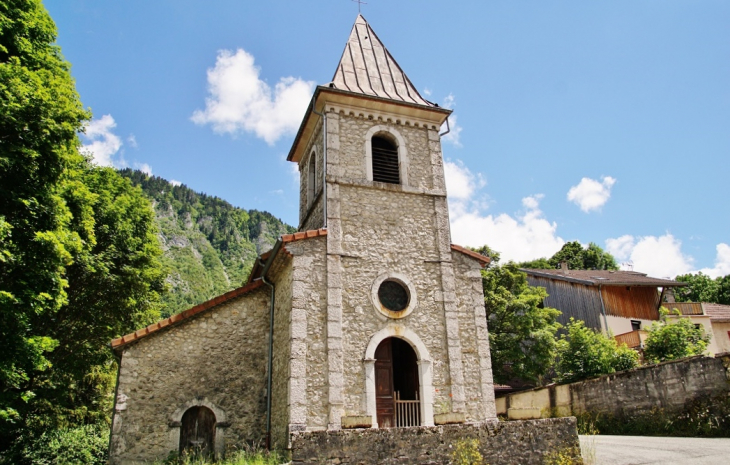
635 325
385 160
312 179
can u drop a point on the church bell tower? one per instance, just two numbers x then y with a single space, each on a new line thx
404 322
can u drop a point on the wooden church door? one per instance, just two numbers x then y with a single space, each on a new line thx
197 432
384 384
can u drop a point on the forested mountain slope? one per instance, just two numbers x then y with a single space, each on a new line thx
209 245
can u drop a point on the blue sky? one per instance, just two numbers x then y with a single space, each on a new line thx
601 121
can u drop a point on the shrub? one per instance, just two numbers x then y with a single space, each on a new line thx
705 417
84 444
670 341
467 453
585 353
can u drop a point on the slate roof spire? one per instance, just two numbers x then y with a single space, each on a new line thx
366 67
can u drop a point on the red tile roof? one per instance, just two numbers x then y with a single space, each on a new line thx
286 238
250 286
718 313
476 256
176 319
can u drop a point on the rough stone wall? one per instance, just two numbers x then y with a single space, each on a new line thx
281 374
374 228
383 232
217 357
351 164
500 443
478 382
312 217
669 385
309 320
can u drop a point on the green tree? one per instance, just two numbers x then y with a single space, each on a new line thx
521 332
40 114
592 257
702 288
79 257
584 353
672 340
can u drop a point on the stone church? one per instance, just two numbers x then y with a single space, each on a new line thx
367 318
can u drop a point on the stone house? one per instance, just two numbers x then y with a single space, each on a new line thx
368 317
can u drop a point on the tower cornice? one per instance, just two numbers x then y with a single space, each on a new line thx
329 99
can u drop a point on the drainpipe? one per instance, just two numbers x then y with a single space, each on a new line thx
603 309
448 128
323 115
266 266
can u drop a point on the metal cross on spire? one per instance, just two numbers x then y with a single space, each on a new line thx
359 4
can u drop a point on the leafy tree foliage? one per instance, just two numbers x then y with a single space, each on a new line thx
584 353
672 340
521 332
702 288
40 113
79 256
210 245
591 257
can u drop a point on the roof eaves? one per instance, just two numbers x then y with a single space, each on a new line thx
530 271
470 253
179 317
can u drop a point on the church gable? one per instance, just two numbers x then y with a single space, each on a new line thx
213 363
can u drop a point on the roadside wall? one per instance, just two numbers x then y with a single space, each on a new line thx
500 443
669 386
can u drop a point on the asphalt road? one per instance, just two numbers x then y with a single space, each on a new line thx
635 450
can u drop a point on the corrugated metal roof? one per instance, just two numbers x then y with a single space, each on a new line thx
366 67
605 277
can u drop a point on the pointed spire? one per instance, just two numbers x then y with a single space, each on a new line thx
366 67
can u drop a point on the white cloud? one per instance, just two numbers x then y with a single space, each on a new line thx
590 194
427 92
144 167
103 143
722 262
662 256
525 236
240 101
132 141
454 135
175 182
658 256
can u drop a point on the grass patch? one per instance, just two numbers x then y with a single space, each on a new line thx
707 417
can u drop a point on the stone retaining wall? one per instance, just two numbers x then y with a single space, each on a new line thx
500 443
670 386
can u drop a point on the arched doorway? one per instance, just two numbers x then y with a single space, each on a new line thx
197 432
396 384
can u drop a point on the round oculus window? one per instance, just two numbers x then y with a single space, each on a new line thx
393 295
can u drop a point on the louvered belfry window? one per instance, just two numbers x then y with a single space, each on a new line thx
385 161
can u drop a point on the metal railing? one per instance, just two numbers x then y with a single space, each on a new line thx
407 412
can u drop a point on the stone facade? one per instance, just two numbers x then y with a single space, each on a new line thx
217 360
328 320
500 443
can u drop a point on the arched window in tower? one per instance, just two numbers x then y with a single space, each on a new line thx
385 160
312 179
